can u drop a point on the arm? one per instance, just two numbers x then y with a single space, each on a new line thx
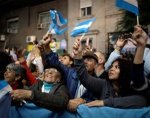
70 75
32 80
126 102
93 84
116 53
53 101
138 71
120 102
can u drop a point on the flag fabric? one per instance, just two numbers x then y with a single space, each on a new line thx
54 29
82 27
129 5
57 18
57 22
4 88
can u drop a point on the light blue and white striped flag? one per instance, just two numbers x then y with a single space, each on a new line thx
82 27
129 5
4 88
57 22
54 29
57 18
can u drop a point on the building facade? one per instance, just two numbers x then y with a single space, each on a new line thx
19 24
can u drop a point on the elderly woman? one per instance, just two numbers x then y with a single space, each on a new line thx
14 75
50 93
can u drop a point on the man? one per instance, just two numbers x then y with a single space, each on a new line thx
91 61
100 70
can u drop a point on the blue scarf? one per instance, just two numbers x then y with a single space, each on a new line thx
46 87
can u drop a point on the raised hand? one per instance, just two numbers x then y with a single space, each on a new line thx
120 43
140 36
77 52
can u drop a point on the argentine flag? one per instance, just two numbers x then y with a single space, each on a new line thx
129 5
54 29
82 27
57 18
4 88
57 22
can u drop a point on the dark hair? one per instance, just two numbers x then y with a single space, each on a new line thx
70 57
124 76
32 67
5 59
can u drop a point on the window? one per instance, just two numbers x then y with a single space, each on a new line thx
43 19
12 25
85 42
86 7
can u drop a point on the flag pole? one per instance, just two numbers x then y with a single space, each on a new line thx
82 36
137 17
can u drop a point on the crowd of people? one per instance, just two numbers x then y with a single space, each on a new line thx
64 82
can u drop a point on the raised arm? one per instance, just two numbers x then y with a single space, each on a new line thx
138 67
116 53
91 83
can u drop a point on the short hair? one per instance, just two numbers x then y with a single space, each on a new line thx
19 69
70 57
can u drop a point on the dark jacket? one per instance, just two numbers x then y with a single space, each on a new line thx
70 75
56 100
103 90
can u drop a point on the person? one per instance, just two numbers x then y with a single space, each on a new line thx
51 93
115 91
14 75
67 60
5 59
49 57
35 57
100 69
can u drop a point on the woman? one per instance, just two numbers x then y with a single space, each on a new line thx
14 75
115 91
50 93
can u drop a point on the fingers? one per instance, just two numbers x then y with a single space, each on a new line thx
90 104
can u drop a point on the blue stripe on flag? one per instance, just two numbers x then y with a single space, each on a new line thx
57 18
82 27
128 6
3 84
54 29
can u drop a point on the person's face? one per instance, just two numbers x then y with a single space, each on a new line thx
51 75
114 71
90 64
10 76
66 61
100 56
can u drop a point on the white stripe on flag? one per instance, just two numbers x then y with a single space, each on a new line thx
132 2
83 26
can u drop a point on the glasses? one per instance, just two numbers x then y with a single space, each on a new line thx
51 70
